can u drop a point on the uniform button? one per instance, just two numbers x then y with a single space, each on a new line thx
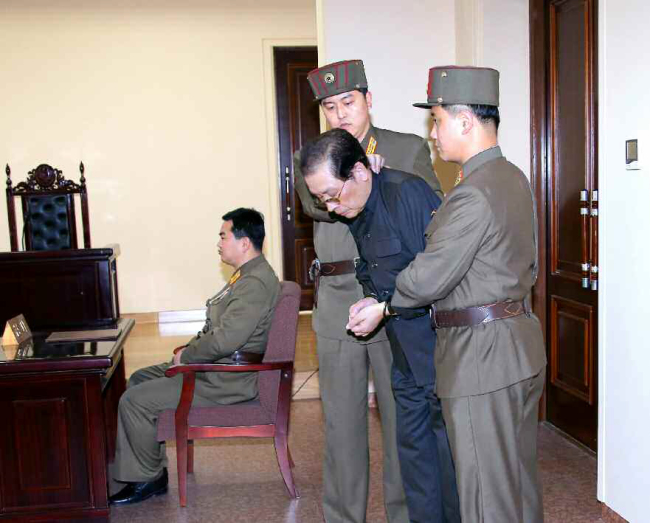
368 236
374 265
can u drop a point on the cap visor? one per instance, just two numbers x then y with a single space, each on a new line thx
423 105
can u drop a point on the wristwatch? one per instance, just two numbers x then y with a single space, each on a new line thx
388 309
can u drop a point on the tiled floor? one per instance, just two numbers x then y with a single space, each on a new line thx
238 480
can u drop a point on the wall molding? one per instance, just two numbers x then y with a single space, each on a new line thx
469 32
167 316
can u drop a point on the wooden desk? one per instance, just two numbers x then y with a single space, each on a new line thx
55 289
58 421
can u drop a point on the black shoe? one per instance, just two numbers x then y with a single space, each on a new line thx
136 492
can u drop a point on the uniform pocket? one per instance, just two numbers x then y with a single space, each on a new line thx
388 247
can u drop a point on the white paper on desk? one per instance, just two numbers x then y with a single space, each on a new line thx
95 335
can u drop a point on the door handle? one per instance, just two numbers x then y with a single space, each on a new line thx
594 241
287 182
584 218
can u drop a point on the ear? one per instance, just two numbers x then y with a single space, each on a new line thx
246 243
465 121
360 172
369 99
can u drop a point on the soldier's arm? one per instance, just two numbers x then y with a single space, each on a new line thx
234 327
449 252
423 167
309 203
411 210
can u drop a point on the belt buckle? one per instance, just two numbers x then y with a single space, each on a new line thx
432 314
314 269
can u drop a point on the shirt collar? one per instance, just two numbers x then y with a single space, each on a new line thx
481 158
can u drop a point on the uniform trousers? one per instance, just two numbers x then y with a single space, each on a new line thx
138 455
494 442
343 376
424 452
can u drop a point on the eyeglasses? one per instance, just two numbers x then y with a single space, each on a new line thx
333 199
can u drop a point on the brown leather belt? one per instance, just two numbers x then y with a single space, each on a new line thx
319 269
477 315
246 357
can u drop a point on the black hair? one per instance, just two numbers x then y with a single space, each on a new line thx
485 114
362 90
247 223
338 148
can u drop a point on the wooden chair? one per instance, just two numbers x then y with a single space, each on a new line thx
265 417
48 210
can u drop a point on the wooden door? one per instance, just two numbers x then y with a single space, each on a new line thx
297 122
565 175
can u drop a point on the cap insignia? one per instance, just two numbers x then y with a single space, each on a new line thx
329 78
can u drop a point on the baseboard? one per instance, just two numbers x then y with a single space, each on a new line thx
142 317
610 516
174 316
167 316
181 316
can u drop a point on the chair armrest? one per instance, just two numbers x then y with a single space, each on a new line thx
227 367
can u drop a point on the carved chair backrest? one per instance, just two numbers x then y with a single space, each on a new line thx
48 207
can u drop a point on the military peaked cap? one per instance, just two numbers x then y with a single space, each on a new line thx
337 78
452 84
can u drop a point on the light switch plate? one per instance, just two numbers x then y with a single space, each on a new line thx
632 155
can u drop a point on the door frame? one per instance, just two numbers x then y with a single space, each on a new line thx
273 247
539 141
539 159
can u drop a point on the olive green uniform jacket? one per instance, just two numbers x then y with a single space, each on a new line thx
481 249
238 317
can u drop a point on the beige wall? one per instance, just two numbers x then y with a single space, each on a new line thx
624 251
398 42
494 33
165 102
399 45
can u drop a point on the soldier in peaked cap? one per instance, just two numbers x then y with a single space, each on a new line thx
341 89
477 271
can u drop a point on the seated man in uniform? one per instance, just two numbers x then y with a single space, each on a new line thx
237 323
